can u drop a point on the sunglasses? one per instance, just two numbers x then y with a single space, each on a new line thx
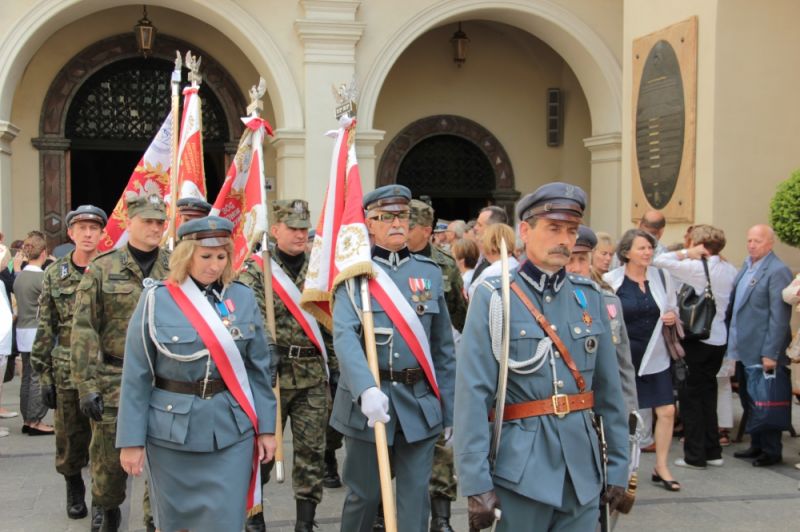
391 216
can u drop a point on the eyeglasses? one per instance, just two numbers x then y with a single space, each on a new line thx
390 216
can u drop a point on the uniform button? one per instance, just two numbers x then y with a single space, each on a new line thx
577 330
175 338
169 408
553 327
394 268
397 355
394 383
522 332
547 299
556 354
560 384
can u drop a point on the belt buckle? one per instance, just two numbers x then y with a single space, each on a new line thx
294 351
408 377
560 404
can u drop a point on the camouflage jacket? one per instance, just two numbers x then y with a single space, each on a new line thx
105 300
295 373
50 352
453 284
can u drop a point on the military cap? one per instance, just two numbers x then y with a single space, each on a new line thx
421 213
441 226
87 213
558 201
193 205
586 240
209 231
294 213
387 198
151 206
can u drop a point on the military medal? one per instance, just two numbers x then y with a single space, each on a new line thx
417 286
427 284
236 333
420 309
580 297
612 310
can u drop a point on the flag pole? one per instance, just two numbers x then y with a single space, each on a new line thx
348 107
195 78
254 110
173 174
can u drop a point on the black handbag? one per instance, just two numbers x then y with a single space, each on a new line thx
697 311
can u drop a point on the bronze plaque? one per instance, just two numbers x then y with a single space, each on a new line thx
660 122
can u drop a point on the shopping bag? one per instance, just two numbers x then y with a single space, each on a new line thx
770 396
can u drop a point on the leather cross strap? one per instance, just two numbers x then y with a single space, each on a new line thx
545 325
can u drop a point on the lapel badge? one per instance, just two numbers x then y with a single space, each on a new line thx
420 308
591 344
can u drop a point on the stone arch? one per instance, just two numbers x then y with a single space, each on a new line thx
52 142
503 193
595 66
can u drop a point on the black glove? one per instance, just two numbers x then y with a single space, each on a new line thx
613 497
92 406
481 510
48 393
274 363
333 381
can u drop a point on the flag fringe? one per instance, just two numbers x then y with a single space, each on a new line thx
256 509
309 302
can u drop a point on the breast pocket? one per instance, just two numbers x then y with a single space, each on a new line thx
64 296
178 339
169 415
585 342
426 311
119 299
524 340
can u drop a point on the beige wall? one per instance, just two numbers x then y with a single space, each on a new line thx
69 41
503 87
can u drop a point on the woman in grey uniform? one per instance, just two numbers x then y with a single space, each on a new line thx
190 399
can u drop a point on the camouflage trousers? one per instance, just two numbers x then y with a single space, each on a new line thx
308 408
443 482
108 477
73 434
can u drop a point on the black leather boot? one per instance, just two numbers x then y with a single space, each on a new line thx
256 523
111 519
440 515
305 516
331 478
97 517
76 491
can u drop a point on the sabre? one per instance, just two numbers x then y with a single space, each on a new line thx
502 372
605 512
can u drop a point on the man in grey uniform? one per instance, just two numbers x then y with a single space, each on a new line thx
415 397
547 471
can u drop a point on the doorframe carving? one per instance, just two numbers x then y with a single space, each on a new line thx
52 144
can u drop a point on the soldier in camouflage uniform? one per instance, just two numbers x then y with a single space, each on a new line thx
303 377
443 482
106 298
50 354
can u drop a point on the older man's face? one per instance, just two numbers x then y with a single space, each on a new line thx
759 242
548 242
389 230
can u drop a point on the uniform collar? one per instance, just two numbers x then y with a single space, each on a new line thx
390 258
539 280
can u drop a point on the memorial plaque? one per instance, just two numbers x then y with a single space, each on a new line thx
664 102
660 122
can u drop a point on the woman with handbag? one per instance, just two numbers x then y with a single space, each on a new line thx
648 304
707 284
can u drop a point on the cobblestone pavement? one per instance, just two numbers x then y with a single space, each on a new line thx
736 497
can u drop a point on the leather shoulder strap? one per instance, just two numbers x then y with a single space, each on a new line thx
544 323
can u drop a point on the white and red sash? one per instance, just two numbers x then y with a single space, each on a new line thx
227 357
405 320
290 295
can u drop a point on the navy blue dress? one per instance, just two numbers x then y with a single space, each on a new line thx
641 314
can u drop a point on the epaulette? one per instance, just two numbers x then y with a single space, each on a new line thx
492 283
580 279
446 254
423 258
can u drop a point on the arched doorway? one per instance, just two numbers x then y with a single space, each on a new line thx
101 113
455 161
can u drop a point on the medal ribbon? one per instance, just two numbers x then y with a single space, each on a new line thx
405 320
227 357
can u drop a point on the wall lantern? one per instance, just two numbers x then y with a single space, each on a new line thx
145 34
459 40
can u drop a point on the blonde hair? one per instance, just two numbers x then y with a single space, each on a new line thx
180 261
492 236
605 238
712 238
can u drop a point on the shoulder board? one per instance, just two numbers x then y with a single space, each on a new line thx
103 254
446 254
423 258
581 280
492 283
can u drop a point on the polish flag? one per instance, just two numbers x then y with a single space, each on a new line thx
191 173
152 175
242 198
341 247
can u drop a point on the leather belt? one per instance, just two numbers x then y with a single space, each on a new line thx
560 405
407 376
296 351
112 360
202 389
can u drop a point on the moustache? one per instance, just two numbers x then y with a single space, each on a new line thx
559 250
401 232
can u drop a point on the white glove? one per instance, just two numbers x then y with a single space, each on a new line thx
448 437
375 405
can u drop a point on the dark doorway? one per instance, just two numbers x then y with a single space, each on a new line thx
453 171
112 120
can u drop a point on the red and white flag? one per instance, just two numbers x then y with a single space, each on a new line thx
242 198
191 172
151 175
341 247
